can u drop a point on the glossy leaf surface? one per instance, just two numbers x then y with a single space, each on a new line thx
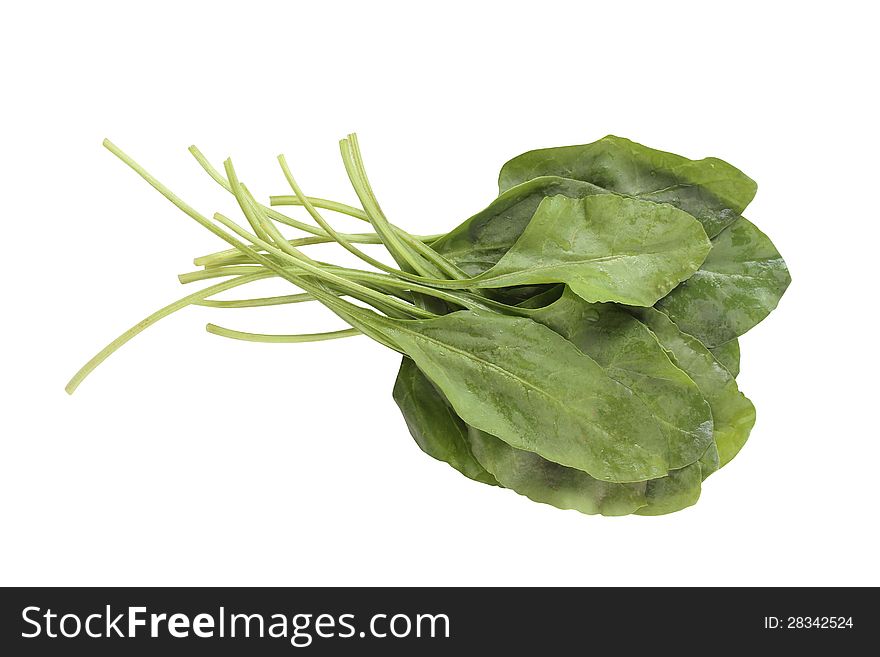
544 481
436 428
710 189
728 355
630 354
733 414
738 285
605 248
478 243
679 490
522 382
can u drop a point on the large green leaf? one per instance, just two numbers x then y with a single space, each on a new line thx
728 355
710 461
524 383
630 354
605 248
675 492
544 481
738 285
436 428
732 413
710 189
479 242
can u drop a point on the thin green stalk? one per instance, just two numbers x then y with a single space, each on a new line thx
302 263
417 242
269 337
344 243
247 250
219 272
256 302
324 204
236 188
344 310
145 323
357 317
377 281
273 235
229 256
271 212
441 264
464 301
225 184
403 254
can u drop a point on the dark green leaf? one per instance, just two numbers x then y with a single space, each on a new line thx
524 383
728 355
479 242
630 354
433 424
710 189
710 461
605 248
733 414
741 281
544 481
679 490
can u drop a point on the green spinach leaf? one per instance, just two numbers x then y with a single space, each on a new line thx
479 242
710 189
605 248
544 481
436 428
630 354
524 383
732 413
728 355
678 491
738 285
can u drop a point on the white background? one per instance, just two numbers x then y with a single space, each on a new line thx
189 459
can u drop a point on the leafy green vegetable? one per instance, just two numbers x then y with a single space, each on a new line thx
605 247
630 354
679 490
741 281
732 413
544 481
709 189
575 341
533 389
433 424
710 461
478 243
728 355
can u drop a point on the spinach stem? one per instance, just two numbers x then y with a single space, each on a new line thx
340 239
277 216
355 288
301 262
274 255
145 323
321 203
441 264
237 191
270 337
233 256
402 254
256 302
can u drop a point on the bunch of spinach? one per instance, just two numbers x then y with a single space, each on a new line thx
575 341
